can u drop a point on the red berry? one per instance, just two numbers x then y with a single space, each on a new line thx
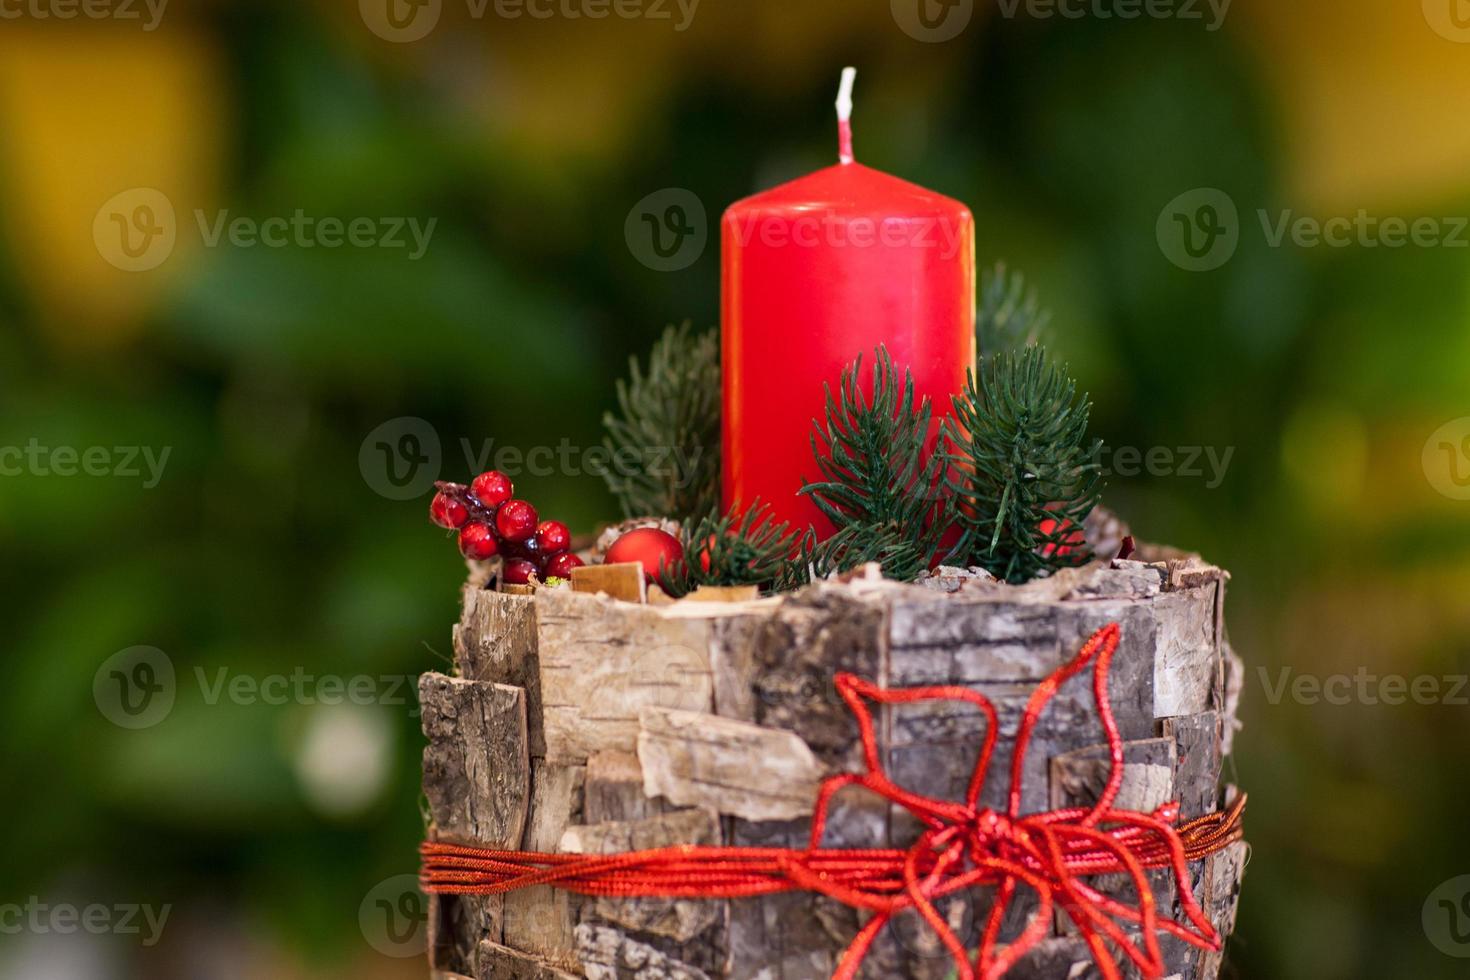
553 536
516 520
477 541
654 549
518 571
492 489
560 566
447 511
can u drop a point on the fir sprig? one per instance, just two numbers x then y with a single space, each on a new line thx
882 487
739 549
1010 315
1023 472
664 439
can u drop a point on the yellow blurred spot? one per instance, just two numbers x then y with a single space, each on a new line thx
1324 452
113 137
1374 96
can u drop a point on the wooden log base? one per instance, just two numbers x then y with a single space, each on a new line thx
606 717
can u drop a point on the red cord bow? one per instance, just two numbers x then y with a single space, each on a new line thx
964 846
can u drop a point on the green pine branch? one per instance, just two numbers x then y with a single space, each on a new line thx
1010 315
664 440
881 487
1022 469
740 549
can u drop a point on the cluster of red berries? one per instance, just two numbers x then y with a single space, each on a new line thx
490 522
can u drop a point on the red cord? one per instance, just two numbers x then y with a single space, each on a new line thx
964 846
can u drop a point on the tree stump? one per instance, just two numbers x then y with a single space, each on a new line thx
582 724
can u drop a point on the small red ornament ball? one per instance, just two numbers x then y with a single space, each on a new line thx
477 541
560 566
654 549
516 520
1072 538
553 536
448 512
518 571
492 489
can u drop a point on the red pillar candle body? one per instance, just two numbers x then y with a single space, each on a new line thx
815 273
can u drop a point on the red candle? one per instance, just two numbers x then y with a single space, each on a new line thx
815 273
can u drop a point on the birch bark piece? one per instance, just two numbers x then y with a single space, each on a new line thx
476 765
603 661
794 654
1197 747
678 919
615 790
541 920
495 642
496 962
476 780
733 767
609 955
1221 899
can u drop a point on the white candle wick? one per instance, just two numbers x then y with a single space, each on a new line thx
844 116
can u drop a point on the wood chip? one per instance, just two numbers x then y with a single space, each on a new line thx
724 593
624 581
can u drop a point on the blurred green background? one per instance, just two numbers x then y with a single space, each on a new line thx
270 543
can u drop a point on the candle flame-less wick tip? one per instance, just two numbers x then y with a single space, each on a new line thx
844 115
